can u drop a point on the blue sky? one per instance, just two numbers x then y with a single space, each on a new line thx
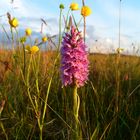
101 25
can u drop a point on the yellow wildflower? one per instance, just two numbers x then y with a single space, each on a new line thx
74 6
34 49
13 22
31 50
44 39
28 32
85 11
119 50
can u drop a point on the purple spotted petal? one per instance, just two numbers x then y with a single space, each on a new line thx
74 62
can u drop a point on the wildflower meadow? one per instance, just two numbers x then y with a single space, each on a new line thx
53 88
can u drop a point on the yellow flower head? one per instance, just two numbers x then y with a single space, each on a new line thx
44 39
13 22
74 6
31 50
119 50
34 49
28 32
85 11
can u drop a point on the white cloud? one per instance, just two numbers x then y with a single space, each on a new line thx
28 15
13 8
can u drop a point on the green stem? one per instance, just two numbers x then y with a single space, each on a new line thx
12 38
76 103
40 136
66 22
83 3
28 85
75 22
117 63
17 37
84 29
12 34
35 107
78 24
2 127
35 66
117 83
24 60
60 36
46 100
48 91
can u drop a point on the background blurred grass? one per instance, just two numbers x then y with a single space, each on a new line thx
98 119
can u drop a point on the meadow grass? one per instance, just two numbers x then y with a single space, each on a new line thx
97 115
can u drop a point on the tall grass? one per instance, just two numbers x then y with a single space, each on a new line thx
96 114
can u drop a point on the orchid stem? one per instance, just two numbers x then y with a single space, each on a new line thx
76 103
60 36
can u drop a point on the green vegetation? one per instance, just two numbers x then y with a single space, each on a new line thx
98 117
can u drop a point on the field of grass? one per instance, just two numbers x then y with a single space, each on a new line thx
98 117
35 102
